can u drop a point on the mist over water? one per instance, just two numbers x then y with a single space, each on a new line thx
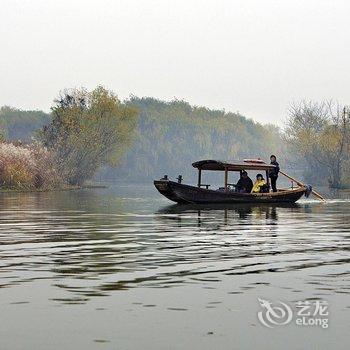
124 268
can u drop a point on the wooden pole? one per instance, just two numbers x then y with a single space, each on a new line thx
267 178
316 194
226 178
199 177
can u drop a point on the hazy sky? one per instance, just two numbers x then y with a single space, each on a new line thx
252 56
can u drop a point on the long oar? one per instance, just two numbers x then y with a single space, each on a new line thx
316 194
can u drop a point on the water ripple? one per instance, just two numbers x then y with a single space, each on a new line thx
95 250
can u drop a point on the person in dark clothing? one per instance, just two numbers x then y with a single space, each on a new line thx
244 184
273 174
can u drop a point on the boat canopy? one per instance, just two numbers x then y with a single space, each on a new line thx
231 166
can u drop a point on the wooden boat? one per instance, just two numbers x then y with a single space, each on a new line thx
202 194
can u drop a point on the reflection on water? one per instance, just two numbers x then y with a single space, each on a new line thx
73 240
88 244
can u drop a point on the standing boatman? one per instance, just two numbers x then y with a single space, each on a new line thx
273 173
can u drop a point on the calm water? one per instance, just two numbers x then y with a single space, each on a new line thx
122 268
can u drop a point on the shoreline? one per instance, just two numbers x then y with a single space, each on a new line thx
60 189
106 185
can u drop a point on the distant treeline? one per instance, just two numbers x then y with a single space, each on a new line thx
172 135
17 124
169 136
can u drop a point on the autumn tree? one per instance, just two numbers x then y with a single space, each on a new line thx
319 134
88 130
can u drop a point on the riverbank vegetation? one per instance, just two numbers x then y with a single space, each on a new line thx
88 133
27 167
86 130
318 134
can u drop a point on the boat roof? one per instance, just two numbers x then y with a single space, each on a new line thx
210 164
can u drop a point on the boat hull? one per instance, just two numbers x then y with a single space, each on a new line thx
181 193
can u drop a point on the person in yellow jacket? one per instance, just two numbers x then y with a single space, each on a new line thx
259 183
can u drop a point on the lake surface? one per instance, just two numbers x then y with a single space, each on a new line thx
123 268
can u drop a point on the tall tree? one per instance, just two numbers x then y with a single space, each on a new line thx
319 134
88 130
